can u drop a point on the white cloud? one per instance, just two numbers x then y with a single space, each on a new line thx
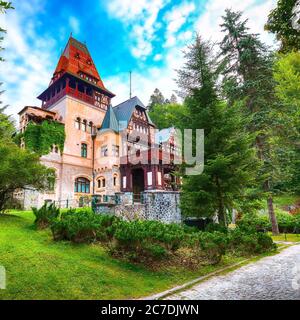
74 24
29 62
140 17
143 84
208 24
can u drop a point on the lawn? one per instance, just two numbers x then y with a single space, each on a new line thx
39 268
289 237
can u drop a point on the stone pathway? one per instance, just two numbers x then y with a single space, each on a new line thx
272 278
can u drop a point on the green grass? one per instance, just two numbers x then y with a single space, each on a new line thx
39 268
289 237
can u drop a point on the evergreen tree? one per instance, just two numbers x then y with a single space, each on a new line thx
156 98
173 99
6 124
245 58
283 22
229 159
4 5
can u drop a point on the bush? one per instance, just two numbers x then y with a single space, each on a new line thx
213 245
247 242
45 215
82 225
147 239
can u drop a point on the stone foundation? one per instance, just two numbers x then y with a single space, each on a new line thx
155 205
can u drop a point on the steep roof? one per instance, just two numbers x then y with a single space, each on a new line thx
76 59
110 121
124 110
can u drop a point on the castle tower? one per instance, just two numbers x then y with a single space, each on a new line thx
77 95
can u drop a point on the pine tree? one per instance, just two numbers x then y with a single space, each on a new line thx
156 98
247 59
4 5
229 159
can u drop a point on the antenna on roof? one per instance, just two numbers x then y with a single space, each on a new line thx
130 93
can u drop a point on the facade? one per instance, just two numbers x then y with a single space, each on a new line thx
108 150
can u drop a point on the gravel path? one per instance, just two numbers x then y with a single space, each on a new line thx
271 278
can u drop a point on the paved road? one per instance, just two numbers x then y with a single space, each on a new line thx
271 278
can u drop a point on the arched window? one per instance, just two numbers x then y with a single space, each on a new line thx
115 180
83 126
82 185
101 182
84 150
90 126
77 123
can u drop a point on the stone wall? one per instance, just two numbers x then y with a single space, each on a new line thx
162 206
156 205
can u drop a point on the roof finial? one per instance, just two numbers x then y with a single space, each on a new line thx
130 93
71 34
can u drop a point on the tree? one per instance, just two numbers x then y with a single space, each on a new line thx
6 124
247 59
156 98
173 99
169 115
18 169
280 22
4 5
287 77
229 159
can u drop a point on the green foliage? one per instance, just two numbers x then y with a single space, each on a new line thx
82 226
19 169
169 115
45 215
230 163
287 77
41 137
4 5
247 242
280 23
287 223
6 123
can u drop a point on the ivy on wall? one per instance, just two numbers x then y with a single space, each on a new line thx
41 137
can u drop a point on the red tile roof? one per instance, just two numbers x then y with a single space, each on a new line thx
76 59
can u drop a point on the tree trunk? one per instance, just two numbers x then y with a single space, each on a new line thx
221 210
272 216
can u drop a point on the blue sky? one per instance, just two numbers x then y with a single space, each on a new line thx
144 36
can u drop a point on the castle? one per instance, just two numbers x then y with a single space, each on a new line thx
113 153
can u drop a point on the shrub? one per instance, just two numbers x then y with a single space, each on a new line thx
45 215
213 245
82 226
243 242
147 239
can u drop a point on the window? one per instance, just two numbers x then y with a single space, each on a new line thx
115 180
77 123
84 150
104 151
149 178
115 150
101 182
90 126
159 178
82 185
124 182
83 127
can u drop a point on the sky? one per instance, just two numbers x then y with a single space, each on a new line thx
146 37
